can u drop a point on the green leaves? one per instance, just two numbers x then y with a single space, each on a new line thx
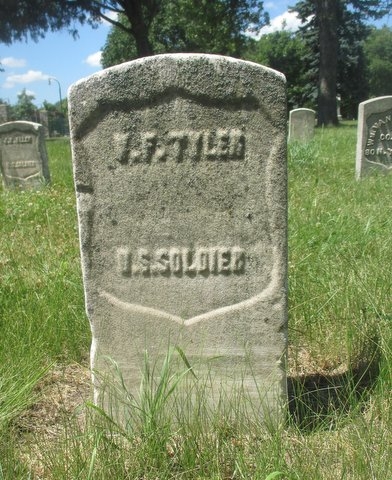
378 51
188 26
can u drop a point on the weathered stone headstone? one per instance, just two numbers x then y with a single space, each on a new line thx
3 113
44 121
301 124
180 174
374 137
23 157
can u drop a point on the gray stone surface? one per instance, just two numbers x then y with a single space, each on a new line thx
44 121
374 136
23 157
180 175
301 124
3 113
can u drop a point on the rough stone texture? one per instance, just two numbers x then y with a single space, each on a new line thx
23 157
374 138
301 124
180 174
3 113
44 120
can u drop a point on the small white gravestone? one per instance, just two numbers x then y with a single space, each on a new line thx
301 125
374 137
23 157
180 174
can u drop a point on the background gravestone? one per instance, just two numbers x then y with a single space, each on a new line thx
23 157
44 120
180 174
3 113
301 124
338 104
374 136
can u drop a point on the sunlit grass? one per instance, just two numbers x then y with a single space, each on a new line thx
339 421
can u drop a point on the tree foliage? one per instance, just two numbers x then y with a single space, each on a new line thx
22 19
187 22
190 26
119 47
378 52
329 26
35 18
24 109
57 119
352 81
284 51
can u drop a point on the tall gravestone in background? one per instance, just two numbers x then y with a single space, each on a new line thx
23 157
180 174
374 137
301 124
3 113
44 120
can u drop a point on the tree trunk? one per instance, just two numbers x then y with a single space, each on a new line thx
143 45
327 15
139 27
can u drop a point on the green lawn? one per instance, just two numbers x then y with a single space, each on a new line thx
339 419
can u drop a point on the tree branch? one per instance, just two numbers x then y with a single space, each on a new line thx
104 6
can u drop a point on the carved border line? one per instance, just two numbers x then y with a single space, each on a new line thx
271 292
23 179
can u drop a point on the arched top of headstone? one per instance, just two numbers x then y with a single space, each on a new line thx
20 124
204 78
303 110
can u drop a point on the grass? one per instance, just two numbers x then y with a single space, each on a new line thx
339 419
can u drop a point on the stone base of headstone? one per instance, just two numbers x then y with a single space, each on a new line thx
227 374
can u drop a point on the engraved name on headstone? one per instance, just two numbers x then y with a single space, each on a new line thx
23 157
180 176
301 124
374 136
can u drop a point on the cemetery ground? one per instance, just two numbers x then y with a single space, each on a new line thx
339 415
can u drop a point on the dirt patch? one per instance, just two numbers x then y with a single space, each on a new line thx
62 393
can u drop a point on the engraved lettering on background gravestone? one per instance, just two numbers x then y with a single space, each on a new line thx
374 137
301 124
180 175
23 157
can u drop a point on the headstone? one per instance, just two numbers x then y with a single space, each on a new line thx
374 136
3 113
23 157
44 121
338 103
301 125
180 174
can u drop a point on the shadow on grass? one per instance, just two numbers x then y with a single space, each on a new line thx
317 401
